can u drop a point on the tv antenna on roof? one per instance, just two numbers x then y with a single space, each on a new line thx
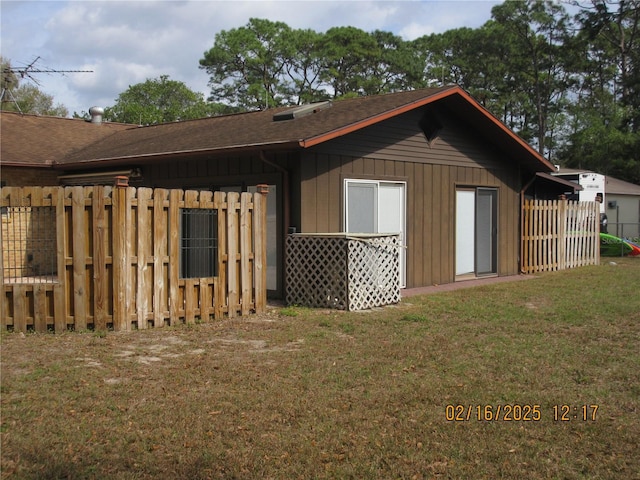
27 72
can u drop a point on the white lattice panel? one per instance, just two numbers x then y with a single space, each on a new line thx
374 272
342 271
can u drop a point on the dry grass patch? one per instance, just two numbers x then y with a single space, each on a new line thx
325 394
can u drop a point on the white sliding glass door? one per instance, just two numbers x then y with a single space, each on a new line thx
465 226
476 231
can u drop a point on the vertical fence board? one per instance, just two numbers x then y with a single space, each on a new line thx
130 297
562 234
191 200
206 285
59 291
159 253
245 249
206 308
174 254
40 307
232 253
100 290
79 249
129 239
19 308
120 254
220 293
144 290
260 251
190 300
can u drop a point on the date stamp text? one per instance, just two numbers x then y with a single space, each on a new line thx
520 413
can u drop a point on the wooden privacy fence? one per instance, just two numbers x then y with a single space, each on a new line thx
558 234
124 258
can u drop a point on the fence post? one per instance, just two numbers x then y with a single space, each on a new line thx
59 290
120 256
100 287
175 197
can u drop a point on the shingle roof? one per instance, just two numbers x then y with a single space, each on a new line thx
615 186
33 140
258 130
244 129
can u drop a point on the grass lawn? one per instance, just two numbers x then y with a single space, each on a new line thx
383 394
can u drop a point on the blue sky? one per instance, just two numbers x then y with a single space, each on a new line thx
127 42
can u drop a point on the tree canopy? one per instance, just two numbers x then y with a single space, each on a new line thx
160 100
567 84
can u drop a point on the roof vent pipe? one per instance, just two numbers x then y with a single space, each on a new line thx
96 114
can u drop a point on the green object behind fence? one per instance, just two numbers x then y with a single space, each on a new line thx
611 246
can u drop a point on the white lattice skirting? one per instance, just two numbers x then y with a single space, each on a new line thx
343 271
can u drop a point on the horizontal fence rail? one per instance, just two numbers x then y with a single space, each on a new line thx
558 234
119 258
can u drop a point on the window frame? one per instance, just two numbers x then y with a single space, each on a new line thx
193 256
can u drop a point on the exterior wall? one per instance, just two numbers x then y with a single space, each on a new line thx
28 176
212 172
624 218
397 150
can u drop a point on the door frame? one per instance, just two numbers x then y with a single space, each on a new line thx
493 193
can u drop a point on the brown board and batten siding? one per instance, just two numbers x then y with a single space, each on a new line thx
209 171
397 150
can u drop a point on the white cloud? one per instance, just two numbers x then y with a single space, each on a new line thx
126 42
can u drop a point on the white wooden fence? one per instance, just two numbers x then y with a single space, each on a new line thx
558 234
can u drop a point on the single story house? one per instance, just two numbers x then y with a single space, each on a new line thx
432 165
623 208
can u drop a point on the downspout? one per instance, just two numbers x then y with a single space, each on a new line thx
287 209
285 188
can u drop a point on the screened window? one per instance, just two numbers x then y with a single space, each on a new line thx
199 243
29 244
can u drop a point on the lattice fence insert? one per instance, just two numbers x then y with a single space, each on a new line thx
374 272
340 271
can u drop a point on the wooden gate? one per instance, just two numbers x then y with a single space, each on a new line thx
118 255
558 234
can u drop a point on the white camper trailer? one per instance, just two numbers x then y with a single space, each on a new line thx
593 189
593 185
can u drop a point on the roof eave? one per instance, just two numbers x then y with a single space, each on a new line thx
555 179
44 164
149 157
